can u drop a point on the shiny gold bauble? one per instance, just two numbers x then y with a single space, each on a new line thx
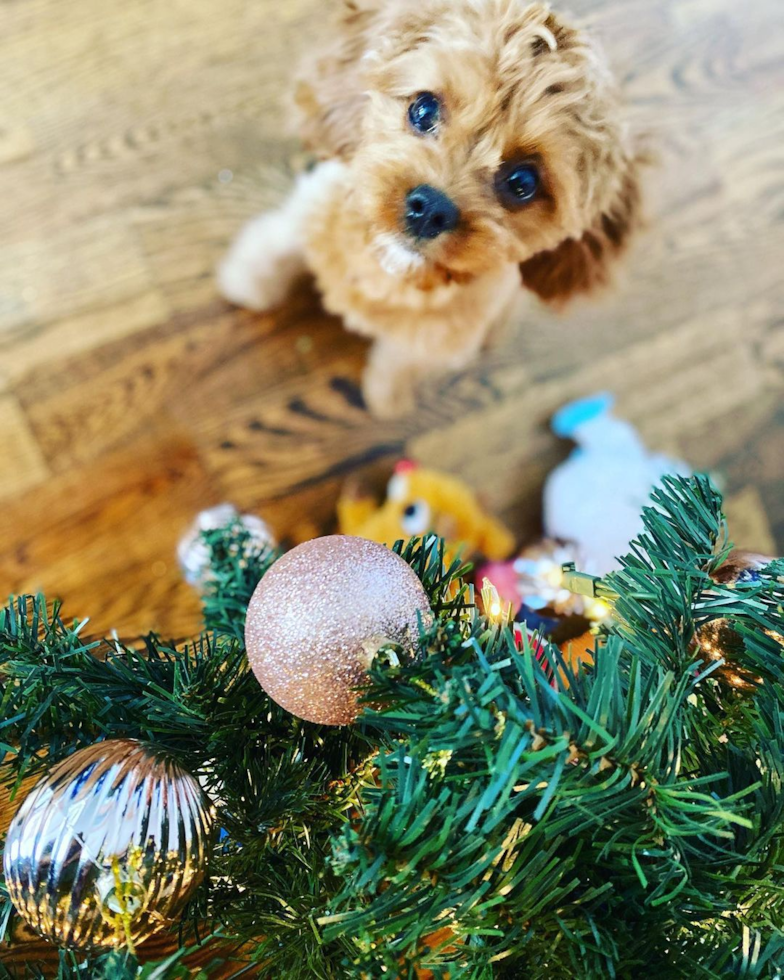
319 617
741 566
108 847
717 640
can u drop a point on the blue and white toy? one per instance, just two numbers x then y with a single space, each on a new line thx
595 498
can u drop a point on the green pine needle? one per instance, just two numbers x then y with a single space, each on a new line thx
495 813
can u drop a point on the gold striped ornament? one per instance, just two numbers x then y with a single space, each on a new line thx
108 847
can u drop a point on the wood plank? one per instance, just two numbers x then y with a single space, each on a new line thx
71 292
748 523
22 462
104 539
84 406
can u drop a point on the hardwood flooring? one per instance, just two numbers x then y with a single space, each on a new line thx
134 141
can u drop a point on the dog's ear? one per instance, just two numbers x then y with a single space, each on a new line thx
331 94
580 265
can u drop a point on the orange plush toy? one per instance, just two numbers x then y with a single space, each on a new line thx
419 502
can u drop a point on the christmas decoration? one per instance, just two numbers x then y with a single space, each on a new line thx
108 847
193 553
741 566
540 579
419 502
504 809
497 611
535 580
319 617
719 643
595 498
717 640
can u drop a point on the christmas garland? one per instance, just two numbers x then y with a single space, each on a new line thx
492 812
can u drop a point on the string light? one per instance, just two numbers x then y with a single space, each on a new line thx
591 588
597 610
498 612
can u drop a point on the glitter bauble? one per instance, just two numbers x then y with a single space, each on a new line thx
108 847
320 615
194 555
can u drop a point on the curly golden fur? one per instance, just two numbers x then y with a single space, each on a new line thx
516 82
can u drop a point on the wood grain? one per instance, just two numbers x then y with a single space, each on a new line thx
24 461
134 141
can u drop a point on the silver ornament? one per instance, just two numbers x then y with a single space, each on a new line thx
108 847
194 555
319 617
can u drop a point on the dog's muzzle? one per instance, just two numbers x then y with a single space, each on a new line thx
430 213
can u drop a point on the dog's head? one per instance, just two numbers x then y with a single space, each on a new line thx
478 132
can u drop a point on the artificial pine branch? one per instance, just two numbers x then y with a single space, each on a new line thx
285 785
237 563
494 813
595 824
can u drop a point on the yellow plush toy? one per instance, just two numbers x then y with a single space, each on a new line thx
421 501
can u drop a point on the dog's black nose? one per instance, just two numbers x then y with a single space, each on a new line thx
430 213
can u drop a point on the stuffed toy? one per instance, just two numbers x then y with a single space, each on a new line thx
421 501
595 498
592 507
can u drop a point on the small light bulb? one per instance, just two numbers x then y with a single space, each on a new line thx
597 610
495 610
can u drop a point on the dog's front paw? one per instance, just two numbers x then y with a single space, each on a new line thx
388 395
260 266
240 285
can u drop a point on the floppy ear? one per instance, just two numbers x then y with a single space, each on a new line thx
580 265
331 92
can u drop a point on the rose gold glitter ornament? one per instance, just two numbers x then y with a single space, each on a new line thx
320 615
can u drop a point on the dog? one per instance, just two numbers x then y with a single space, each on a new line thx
465 147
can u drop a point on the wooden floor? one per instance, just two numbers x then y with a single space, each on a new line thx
134 140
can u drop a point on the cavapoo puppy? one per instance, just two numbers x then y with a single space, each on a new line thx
466 147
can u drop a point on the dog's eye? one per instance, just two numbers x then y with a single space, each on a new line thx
518 184
424 113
